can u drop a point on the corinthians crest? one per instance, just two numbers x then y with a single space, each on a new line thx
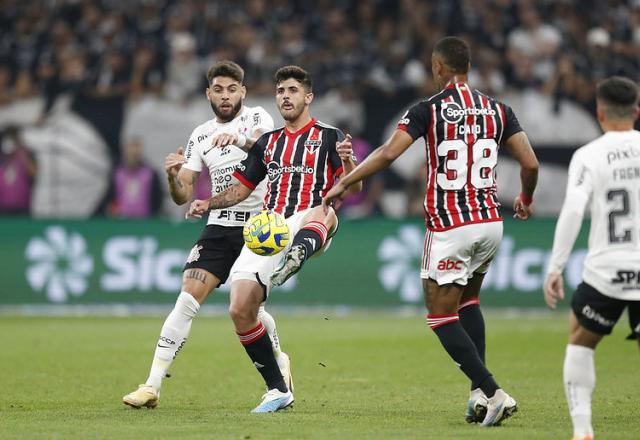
194 255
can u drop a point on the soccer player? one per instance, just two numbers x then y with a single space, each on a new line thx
221 143
302 161
463 130
604 174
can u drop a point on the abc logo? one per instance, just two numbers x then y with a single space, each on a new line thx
449 265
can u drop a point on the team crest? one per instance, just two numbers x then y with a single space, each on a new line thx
312 145
194 255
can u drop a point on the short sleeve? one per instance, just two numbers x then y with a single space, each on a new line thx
416 120
261 122
511 125
334 158
192 154
252 170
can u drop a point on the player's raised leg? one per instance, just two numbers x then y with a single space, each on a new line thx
473 323
281 357
246 297
579 375
316 228
196 286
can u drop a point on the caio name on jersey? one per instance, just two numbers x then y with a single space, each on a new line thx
630 279
448 264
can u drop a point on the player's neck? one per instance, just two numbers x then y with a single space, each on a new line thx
455 79
613 125
298 123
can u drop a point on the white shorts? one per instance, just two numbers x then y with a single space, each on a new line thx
453 256
254 267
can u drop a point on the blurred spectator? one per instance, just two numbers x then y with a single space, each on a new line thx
184 74
17 172
135 189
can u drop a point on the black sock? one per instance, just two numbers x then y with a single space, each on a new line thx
312 237
258 346
462 350
473 323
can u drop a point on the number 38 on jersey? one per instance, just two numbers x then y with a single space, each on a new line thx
465 163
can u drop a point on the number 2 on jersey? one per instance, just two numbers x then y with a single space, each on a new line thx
457 166
619 197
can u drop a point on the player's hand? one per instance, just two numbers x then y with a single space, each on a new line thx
334 197
197 209
522 211
225 139
553 289
345 149
173 162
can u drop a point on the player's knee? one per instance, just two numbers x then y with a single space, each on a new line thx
240 313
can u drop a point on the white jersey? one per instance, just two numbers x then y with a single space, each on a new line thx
221 162
606 175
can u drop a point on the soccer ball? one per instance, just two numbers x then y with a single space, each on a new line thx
266 233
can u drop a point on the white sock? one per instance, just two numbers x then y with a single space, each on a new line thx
270 324
579 381
173 335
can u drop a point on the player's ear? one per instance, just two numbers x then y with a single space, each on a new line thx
600 113
208 93
308 98
244 91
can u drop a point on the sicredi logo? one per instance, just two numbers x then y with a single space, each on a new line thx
452 113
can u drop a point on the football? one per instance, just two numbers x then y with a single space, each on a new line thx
266 233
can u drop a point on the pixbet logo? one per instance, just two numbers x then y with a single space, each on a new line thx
449 265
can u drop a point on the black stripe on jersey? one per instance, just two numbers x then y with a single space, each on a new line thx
321 169
273 184
441 135
292 199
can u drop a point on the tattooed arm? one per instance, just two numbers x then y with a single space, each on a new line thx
179 180
229 197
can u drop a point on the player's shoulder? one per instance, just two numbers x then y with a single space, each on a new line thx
329 128
255 110
202 131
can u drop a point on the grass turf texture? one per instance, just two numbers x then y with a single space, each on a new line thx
363 377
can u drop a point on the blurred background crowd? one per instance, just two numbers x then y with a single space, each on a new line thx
94 94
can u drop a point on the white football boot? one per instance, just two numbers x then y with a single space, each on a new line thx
145 395
274 400
291 264
499 407
476 406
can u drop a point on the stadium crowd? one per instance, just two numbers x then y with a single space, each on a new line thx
110 52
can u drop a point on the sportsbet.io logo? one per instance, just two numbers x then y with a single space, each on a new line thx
59 264
274 170
452 113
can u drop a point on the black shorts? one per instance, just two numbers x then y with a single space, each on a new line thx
599 313
216 250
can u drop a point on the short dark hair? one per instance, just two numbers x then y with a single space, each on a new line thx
619 96
455 53
226 68
295 72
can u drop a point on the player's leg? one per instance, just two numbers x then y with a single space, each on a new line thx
593 315
246 297
442 303
473 323
196 285
281 357
315 229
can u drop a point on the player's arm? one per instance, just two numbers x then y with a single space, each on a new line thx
380 159
344 149
519 147
180 180
579 189
262 123
229 197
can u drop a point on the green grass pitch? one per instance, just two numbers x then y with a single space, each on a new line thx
357 377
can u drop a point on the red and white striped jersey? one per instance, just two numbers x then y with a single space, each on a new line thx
301 166
463 130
